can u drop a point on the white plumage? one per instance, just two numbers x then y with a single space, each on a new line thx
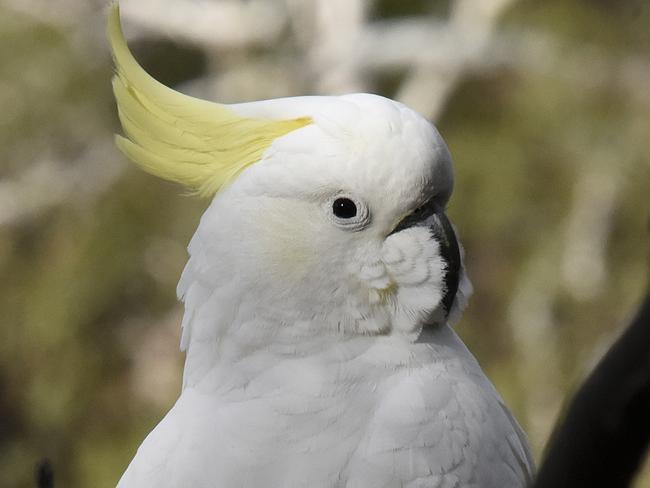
318 354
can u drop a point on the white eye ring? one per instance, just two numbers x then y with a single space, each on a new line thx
347 212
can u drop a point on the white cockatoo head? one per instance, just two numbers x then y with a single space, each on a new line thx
326 210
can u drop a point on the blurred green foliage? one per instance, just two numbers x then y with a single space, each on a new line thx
89 319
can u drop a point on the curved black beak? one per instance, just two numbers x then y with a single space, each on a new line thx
443 232
433 217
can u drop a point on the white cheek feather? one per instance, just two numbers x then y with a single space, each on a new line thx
404 281
285 249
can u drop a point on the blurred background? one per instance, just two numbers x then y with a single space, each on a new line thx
544 105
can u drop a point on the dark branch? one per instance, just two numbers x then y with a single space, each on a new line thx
605 434
44 474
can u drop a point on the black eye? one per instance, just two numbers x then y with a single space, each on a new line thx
344 208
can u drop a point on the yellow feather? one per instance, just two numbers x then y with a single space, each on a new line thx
200 144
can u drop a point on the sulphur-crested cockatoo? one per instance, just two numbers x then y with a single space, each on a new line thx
318 296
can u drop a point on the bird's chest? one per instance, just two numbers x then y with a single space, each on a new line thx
366 413
305 406
321 423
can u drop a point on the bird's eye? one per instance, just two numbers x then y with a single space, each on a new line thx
344 208
347 211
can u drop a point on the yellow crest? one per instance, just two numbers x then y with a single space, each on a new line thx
197 143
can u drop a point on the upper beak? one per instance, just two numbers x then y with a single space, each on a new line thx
443 232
